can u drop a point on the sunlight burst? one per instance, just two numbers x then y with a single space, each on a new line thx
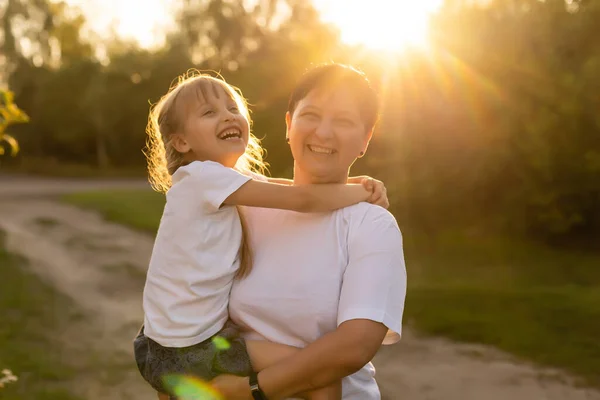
380 24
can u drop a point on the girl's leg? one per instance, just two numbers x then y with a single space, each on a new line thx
162 396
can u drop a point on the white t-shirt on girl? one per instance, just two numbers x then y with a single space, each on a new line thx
195 256
314 271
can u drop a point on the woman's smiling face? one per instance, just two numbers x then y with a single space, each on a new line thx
326 134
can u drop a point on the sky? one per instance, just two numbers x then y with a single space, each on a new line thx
376 23
141 20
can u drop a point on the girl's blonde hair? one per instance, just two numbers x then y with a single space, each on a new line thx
167 117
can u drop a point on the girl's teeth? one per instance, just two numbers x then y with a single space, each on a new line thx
230 135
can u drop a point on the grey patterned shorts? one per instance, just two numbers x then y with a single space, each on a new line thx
203 360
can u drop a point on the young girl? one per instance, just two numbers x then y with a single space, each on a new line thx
202 154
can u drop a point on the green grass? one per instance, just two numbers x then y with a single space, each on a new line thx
50 167
139 209
536 302
32 314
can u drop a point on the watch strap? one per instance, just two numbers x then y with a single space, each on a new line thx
257 393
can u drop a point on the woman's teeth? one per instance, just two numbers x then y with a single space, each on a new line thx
320 150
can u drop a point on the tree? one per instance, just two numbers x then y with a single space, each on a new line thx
25 28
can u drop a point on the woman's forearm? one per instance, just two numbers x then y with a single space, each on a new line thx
330 358
264 354
316 366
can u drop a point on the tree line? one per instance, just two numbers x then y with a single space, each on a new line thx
498 121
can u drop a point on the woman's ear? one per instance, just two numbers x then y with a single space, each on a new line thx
366 144
180 144
288 123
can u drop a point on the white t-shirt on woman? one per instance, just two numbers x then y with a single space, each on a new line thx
195 256
314 271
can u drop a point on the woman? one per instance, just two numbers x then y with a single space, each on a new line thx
332 283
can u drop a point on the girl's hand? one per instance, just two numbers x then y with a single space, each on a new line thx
232 387
378 192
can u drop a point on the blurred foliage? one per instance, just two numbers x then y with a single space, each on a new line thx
9 114
497 124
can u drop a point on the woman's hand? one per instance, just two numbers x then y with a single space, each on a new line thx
377 189
232 387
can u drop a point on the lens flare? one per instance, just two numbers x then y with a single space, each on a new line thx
220 343
190 388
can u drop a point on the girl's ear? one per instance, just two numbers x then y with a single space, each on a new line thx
180 144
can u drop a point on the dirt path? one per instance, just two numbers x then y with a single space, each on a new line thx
101 266
438 369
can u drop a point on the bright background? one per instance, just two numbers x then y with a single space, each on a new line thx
488 143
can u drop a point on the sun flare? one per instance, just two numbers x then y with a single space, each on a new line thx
380 24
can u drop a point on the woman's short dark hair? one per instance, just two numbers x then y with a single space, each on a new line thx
328 76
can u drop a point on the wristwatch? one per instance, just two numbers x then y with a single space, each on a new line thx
257 393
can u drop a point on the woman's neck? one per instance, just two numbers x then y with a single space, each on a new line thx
301 177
